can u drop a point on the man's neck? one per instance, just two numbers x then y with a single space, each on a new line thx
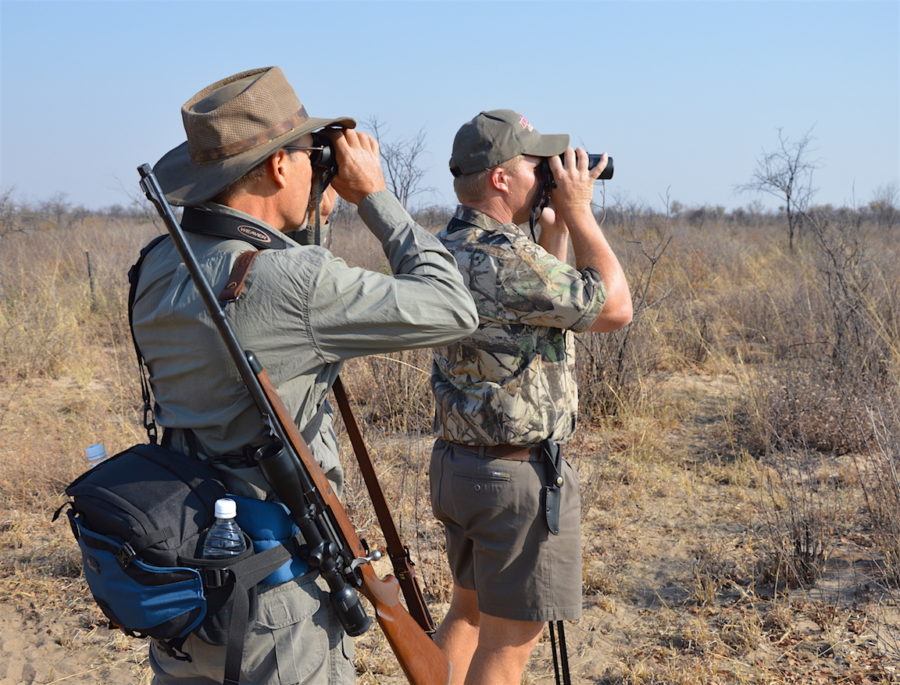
258 206
494 207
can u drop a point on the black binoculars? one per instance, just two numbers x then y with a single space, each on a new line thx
593 160
323 160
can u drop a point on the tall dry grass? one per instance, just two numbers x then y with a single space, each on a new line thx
807 343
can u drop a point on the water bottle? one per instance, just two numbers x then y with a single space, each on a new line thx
224 538
95 454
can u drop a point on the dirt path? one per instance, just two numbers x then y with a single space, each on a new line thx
42 649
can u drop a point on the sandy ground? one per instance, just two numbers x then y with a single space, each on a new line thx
36 648
665 599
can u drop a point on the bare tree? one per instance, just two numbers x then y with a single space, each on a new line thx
885 205
57 209
10 214
787 174
402 162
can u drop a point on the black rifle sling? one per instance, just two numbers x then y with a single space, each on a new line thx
397 551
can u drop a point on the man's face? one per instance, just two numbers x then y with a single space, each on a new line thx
523 188
296 194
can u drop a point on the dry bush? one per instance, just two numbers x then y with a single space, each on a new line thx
835 342
393 391
879 475
612 367
68 370
803 512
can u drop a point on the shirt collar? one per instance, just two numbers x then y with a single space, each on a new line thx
481 220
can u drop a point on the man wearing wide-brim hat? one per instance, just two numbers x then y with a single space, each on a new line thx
505 397
244 176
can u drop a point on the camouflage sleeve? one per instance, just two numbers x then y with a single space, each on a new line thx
533 287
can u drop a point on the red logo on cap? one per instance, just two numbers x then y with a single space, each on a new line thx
523 122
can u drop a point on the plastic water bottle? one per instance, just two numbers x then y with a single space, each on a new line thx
224 538
95 454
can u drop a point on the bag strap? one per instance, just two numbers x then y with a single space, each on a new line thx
233 289
234 286
247 575
133 276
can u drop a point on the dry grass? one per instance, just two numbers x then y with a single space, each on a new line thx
738 452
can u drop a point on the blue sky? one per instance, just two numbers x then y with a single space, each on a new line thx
685 95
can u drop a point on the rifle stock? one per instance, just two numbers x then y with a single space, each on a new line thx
298 480
420 658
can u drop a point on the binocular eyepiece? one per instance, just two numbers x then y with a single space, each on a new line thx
323 160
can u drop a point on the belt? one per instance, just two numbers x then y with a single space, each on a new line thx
511 452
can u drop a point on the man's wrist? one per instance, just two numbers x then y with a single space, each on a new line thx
576 211
382 212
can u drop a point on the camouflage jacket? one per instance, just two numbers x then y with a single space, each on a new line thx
513 380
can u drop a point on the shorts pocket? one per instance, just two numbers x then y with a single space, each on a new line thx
483 479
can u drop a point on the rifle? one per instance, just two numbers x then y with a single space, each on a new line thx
336 551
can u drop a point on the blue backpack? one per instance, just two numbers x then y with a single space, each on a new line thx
139 519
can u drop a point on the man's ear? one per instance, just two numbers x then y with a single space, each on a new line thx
276 165
500 179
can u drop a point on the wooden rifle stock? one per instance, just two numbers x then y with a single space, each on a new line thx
420 658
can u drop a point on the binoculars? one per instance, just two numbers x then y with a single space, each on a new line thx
593 160
323 160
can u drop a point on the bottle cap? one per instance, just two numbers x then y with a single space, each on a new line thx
95 452
226 508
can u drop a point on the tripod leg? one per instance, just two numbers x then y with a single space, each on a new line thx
555 656
564 654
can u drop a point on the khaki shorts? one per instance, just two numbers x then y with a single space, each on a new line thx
296 639
497 540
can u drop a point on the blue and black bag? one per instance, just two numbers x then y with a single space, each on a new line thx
139 519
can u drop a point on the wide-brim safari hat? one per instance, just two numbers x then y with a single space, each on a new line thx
496 136
231 126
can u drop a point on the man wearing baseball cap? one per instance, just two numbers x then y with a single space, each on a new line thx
505 397
244 176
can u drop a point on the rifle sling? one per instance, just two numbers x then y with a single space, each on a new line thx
398 553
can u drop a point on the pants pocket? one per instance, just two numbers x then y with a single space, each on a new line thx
293 635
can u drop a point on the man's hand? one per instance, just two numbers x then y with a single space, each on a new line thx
572 199
554 234
359 165
574 182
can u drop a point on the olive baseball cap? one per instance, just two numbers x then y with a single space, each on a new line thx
493 137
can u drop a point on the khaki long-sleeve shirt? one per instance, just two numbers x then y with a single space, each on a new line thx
303 312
